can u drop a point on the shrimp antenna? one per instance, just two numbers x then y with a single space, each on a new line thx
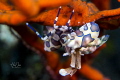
34 30
67 24
56 19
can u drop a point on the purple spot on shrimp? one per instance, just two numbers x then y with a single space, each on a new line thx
47 43
53 49
94 27
86 40
54 42
79 33
56 37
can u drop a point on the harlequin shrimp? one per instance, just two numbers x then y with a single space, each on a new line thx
76 42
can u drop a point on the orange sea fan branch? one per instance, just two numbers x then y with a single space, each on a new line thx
12 17
84 12
33 7
4 5
96 16
110 23
90 72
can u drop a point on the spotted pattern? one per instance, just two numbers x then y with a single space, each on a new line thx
86 39
54 42
47 43
56 37
79 33
80 38
94 27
